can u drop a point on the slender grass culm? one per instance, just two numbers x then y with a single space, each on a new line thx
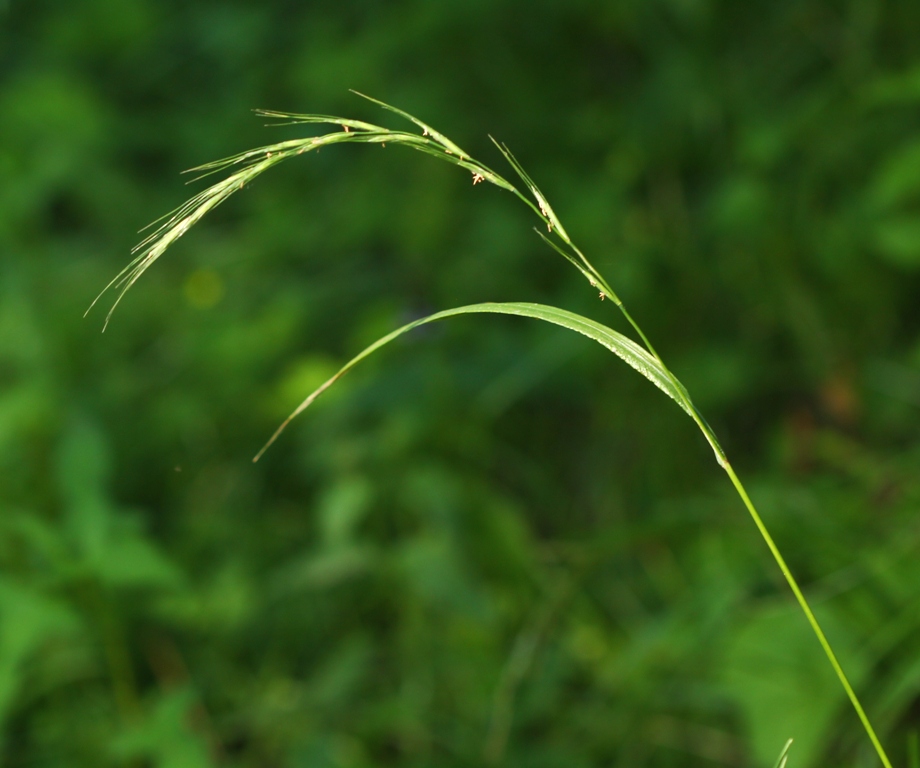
642 357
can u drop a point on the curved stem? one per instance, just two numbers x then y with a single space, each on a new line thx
254 163
722 459
710 436
597 280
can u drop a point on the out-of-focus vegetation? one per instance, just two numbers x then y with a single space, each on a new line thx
493 544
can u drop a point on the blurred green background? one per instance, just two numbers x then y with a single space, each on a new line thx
494 544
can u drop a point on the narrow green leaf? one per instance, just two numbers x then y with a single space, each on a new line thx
783 756
620 345
427 129
546 210
293 118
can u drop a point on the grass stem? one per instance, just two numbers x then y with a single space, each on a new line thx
809 614
250 164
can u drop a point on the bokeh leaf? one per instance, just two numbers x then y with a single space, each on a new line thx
27 620
166 737
776 671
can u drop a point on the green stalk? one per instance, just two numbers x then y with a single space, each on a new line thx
580 261
710 436
809 614
722 459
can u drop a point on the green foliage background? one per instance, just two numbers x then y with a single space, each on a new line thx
495 544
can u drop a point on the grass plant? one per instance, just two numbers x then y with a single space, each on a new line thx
246 166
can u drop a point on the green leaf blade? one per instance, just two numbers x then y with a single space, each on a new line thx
624 348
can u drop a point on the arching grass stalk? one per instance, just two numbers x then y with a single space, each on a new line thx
646 360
